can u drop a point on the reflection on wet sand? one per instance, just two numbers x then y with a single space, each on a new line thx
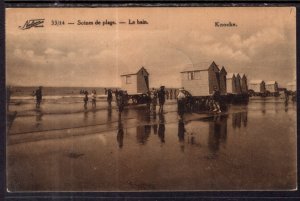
263 107
238 118
142 115
286 104
161 128
108 117
85 115
206 146
191 139
125 112
245 118
217 134
181 133
39 117
148 120
143 131
154 127
94 113
120 134
217 130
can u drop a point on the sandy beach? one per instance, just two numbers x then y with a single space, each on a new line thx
64 147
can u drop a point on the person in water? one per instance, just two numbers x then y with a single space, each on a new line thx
38 96
86 99
161 98
94 98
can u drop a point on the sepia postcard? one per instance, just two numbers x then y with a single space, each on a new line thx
126 99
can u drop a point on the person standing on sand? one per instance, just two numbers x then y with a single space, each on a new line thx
153 96
94 98
120 101
161 98
216 96
180 103
109 97
85 99
38 96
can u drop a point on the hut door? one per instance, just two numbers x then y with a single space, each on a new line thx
147 81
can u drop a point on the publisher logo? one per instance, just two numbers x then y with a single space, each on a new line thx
33 23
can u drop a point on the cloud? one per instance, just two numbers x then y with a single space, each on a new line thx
259 40
98 57
222 51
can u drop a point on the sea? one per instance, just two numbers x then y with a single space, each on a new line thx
22 94
25 94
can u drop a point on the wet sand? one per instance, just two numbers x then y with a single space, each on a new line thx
65 148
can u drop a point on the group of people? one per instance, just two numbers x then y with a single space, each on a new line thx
171 93
216 101
156 96
86 98
143 131
213 103
120 97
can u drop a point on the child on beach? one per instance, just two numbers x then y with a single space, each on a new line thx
94 98
153 96
85 99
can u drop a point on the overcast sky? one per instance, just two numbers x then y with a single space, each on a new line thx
263 45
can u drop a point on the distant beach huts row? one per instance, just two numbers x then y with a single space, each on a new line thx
268 87
201 79
291 86
262 87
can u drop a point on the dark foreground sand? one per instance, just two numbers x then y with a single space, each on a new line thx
64 148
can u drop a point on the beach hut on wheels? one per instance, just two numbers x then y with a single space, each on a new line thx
200 79
235 88
135 82
244 85
271 87
257 87
230 83
291 86
223 89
